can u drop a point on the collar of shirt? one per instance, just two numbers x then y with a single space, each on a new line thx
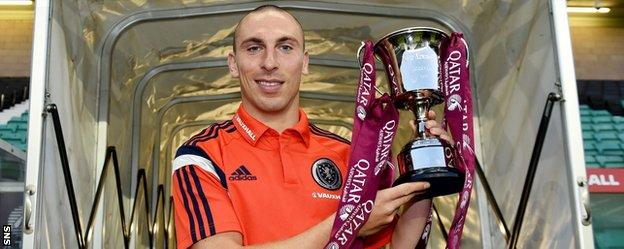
254 131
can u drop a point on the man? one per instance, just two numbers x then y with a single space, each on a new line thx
268 178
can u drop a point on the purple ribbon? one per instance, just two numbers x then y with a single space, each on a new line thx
455 84
374 127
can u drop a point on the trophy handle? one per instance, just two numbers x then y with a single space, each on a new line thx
358 54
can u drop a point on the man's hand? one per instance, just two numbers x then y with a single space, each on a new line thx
411 224
387 204
433 128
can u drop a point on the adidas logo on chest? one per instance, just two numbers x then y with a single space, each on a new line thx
242 174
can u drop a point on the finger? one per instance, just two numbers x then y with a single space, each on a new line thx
395 204
437 131
431 124
431 115
406 189
447 138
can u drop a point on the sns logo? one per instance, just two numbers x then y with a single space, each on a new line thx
454 102
6 235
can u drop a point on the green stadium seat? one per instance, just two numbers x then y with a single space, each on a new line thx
588 135
602 127
17 121
609 147
23 136
603 138
610 161
7 129
609 238
12 141
13 126
591 153
601 119
597 113
591 161
14 137
15 131
589 146
22 147
606 135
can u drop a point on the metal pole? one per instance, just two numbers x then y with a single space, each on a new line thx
528 182
141 182
98 195
69 184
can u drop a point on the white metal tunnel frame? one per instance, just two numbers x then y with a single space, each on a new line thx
38 81
571 124
39 75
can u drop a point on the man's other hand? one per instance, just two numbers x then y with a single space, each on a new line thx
387 205
433 128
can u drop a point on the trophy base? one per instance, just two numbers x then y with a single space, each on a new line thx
443 180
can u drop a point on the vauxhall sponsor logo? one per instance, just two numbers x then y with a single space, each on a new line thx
321 195
245 128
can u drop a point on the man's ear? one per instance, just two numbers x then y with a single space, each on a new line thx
306 60
232 65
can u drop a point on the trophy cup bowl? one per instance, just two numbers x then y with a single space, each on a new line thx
411 59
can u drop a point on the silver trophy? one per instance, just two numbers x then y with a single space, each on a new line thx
411 59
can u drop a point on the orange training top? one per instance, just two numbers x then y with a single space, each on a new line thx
241 175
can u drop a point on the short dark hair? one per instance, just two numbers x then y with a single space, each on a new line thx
263 8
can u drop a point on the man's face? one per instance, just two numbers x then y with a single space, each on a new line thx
269 61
